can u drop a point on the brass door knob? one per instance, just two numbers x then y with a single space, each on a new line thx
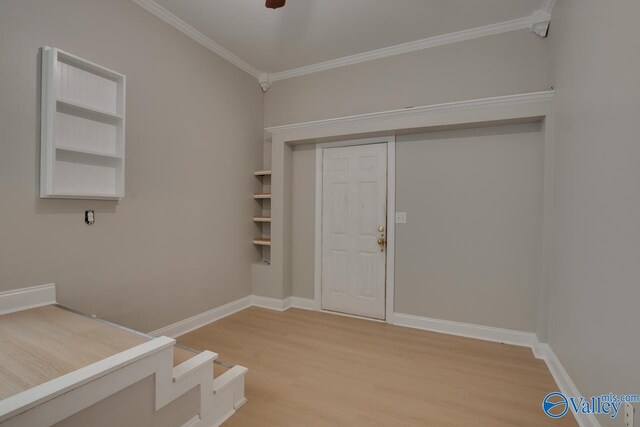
381 241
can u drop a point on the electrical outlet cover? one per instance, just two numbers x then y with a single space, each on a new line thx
89 217
628 414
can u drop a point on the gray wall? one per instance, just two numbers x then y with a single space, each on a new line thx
303 206
469 251
135 407
594 315
503 64
179 242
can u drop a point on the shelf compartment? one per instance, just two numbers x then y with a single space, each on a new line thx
262 173
83 82
80 133
261 241
265 219
84 110
87 153
261 196
95 176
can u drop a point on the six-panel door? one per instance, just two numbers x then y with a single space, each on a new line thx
354 216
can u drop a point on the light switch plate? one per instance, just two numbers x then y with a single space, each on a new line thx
401 217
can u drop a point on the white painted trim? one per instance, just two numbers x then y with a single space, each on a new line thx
192 422
498 101
199 320
302 303
391 230
486 333
444 39
390 141
540 21
270 303
196 35
564 382
187 325
69 394
317 263
26 298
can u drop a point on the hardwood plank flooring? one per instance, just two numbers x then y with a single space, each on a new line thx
316 369
40 344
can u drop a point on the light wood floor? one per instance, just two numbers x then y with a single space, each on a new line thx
316 369
40 344
44 343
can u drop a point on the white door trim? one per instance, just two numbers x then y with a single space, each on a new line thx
391 216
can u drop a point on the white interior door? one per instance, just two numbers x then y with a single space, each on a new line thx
354 218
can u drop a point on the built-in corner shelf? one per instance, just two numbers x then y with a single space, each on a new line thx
263 219
262 241
82 129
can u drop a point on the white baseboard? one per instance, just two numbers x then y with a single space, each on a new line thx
270 303
199 320
26 298
302 303
565 384
282 304
192 422
487 333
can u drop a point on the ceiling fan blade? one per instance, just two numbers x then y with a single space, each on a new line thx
274 4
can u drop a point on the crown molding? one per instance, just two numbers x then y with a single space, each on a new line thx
265 82
498 101
537 22
458 36
196 35
541 19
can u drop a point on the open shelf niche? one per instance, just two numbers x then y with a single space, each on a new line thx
82 129
263 219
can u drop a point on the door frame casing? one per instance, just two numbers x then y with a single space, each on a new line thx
390 226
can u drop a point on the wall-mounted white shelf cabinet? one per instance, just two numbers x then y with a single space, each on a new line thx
82 129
